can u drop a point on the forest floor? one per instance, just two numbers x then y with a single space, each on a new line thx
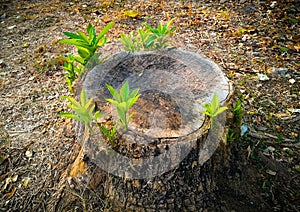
256 43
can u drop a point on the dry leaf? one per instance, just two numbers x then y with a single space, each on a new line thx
131 13
270 172
10 194
106 18
25 183
136 183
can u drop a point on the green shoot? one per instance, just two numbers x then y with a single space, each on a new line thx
149 38
129 42
84 110
110 134
123 101
238 113
161 32
213 109
87 44
73 71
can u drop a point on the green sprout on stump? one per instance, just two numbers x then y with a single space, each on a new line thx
123 101
84 110
110 134
213 109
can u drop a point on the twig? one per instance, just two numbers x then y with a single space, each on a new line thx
262 135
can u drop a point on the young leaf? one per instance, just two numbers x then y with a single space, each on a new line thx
104 31
134 93
84 38
219 111
92 34
83 52
121 114
124 92
69 115
71 35
72 100
75 42
113 102
113 92
97 115
83 97
105 131
133 100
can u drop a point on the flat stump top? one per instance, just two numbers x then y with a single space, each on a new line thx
173 84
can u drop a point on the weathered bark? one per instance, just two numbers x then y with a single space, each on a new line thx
167 158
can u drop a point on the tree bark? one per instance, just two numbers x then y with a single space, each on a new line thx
167 159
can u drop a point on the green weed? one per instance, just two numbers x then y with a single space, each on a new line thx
84 110
87 46
110 134
213 109
148 38
123 101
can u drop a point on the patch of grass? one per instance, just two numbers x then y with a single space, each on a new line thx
148 38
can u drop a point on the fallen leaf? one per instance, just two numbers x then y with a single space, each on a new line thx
270 172
131 13
14 178
28 153
288 150
194 164
292 81
249 151
25 183
282 48
294 110
136 183
10 194
106 18
11 27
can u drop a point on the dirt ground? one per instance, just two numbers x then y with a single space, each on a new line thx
256 43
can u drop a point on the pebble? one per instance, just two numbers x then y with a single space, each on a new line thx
292 81
11 27
2 64
263 77
280 71
271 149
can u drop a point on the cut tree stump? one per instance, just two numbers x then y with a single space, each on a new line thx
167 159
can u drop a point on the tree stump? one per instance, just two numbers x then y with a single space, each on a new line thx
167 159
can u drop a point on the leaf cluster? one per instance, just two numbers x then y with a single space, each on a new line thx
83 110
110 133
87 46
238 112
213 109
73 70
123 101
148 38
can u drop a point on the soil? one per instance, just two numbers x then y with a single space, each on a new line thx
256 43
